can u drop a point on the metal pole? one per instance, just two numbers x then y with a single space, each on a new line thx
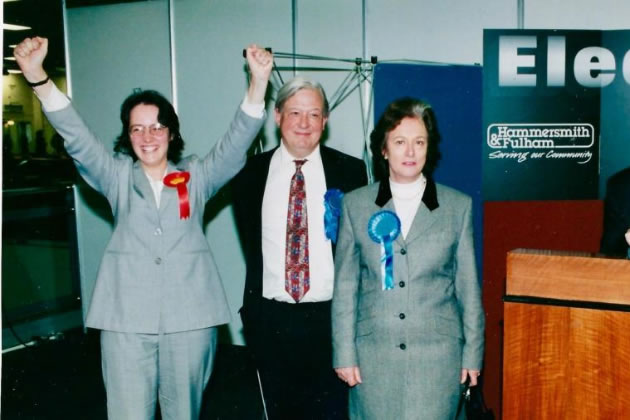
171 18
294 33
262 397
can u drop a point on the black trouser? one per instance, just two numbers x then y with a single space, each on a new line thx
294 358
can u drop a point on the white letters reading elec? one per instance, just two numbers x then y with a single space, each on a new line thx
593 67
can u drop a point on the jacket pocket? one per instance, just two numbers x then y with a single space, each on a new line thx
449 327
365 327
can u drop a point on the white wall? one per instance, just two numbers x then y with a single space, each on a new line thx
448 31
114 48
576 14
211 83
111 49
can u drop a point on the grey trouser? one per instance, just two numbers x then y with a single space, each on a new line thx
140 368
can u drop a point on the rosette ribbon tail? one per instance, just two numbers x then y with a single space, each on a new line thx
178 180
184 204
387 263
331 226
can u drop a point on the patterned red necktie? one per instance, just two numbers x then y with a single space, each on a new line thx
297 278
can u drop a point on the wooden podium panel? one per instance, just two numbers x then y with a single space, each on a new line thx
567 337
568 275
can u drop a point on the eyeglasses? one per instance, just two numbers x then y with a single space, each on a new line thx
156 130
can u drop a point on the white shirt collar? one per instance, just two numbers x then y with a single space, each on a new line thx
286 158
155 181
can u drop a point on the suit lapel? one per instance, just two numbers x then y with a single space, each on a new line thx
261 176
169 200
425 217
385 201
141 185
331 174
256 190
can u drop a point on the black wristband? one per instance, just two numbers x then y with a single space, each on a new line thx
41 82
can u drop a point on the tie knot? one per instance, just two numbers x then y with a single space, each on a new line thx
299 163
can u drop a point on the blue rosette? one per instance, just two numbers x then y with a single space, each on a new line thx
384 228
332 205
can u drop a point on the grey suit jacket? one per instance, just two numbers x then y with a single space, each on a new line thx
411 342
157 274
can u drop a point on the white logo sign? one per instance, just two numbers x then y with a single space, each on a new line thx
541 141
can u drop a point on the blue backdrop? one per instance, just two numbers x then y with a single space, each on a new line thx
455 93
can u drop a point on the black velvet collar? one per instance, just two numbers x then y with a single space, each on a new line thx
429 198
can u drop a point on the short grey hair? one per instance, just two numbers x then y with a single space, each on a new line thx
296 84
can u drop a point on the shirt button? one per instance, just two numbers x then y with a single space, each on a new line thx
401 284
402 346
403 251
401 316
158 260
157 232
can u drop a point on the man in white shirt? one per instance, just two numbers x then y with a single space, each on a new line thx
288 230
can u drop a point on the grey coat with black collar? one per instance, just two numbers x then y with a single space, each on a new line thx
411 342
157 274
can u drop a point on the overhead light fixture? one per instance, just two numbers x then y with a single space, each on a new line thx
10 58
13 71
12 27
13 46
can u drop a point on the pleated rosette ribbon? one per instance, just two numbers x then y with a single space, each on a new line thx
332 206
384 228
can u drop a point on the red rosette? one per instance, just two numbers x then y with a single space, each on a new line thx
178 180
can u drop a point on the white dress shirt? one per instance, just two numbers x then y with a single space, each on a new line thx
157 185
407 198
274 227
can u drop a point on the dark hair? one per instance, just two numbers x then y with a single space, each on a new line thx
392 116
166 116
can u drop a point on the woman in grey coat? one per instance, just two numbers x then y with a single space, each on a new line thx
158 297
408 323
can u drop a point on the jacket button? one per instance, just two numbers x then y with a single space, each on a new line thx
401 284
401 316
403 251
157 232
402 346
158 260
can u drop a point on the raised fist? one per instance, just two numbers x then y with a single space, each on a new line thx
30 55
260 62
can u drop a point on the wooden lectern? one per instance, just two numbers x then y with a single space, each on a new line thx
566 349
